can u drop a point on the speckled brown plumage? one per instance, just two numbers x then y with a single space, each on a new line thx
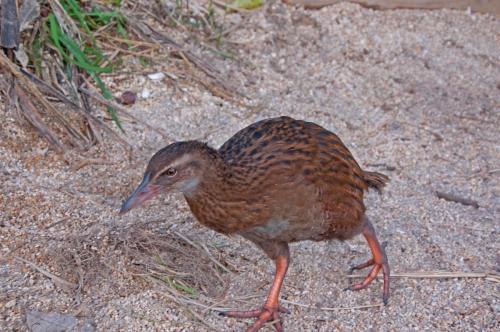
274 182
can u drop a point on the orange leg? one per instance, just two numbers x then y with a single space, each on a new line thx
271 309
379 262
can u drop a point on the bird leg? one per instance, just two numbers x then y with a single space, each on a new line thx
379 261
271 309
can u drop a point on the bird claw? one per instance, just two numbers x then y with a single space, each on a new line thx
263 315
371 276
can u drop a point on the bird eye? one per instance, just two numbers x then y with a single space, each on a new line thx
170 172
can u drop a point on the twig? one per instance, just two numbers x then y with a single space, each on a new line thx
86 162
457 199
216 304
135 42
122 50
57 280
298 304
439 275
204 249
333 308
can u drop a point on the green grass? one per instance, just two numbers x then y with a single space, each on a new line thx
84 54
179 286
95 25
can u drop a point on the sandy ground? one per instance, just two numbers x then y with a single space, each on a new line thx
413 94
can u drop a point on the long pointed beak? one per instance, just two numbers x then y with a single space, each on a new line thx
142 193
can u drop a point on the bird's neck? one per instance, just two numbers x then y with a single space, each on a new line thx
215 177
219 182
213 196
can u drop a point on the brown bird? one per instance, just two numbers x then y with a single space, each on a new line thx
274 182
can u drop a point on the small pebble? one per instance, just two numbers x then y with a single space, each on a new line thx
156 76
127 98
146 93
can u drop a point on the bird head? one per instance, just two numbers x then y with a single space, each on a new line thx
177 167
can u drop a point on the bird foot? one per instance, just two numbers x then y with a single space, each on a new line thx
384 266
263 315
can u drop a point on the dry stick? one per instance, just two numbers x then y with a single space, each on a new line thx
457 199
438 275
332 308
36 93
111 57
93 132
122 50
57 280
144 53
206 250
135 42
122 110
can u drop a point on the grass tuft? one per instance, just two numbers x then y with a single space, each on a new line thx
85 54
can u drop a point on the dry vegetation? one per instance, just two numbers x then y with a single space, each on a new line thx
64 48
56 83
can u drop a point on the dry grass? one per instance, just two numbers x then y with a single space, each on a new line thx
73 47
490 276
184 268
164 260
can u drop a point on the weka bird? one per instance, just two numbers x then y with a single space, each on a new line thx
277 181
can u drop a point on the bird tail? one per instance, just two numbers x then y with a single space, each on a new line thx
375 180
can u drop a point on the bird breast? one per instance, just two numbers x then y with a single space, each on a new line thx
273 228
